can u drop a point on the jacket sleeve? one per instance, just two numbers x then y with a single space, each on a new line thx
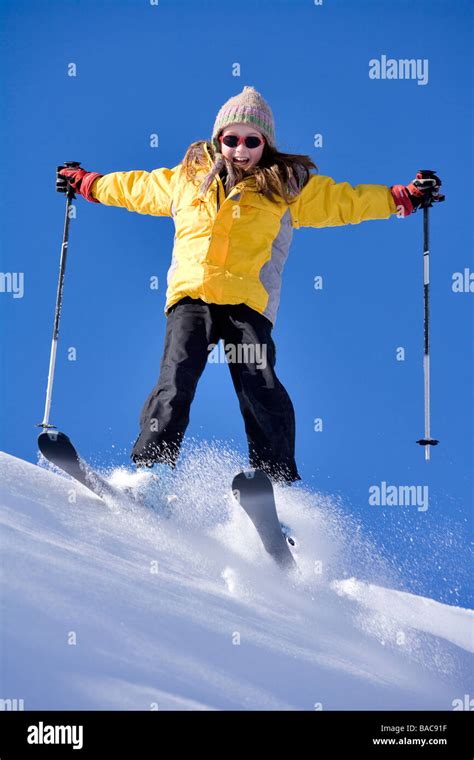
140 191
325 203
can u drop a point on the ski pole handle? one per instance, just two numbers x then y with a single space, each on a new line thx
428 200
69 165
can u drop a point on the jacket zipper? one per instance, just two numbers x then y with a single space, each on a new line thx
219 182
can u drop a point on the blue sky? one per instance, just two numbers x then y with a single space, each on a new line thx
167 69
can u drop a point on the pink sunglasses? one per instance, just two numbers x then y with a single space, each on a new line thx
251 141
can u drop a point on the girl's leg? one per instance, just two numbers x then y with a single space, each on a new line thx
265 405
165 414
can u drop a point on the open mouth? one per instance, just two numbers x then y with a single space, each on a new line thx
241 161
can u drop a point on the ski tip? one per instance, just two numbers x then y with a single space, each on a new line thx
50 441
250 482
252 476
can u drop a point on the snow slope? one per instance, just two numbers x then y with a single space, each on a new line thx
121 608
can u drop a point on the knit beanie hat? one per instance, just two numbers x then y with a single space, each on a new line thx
248 107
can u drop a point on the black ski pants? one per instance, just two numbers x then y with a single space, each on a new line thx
192 327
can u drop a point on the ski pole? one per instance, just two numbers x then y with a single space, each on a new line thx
70 195
427 441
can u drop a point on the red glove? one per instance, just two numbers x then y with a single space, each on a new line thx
80 181
422 191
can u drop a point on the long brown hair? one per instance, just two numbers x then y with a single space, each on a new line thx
277 174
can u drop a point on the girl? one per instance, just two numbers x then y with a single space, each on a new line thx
235 202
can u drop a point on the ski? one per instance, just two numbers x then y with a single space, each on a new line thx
254 492
58 449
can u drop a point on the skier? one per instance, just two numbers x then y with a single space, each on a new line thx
235 201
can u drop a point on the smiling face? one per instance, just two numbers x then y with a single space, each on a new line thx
250 156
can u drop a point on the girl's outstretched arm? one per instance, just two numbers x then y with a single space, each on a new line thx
325 203
140 191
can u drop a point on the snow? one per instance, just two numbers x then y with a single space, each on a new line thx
119 607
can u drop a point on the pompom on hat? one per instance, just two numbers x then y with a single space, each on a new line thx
248 107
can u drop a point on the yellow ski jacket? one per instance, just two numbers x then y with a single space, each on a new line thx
230 250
